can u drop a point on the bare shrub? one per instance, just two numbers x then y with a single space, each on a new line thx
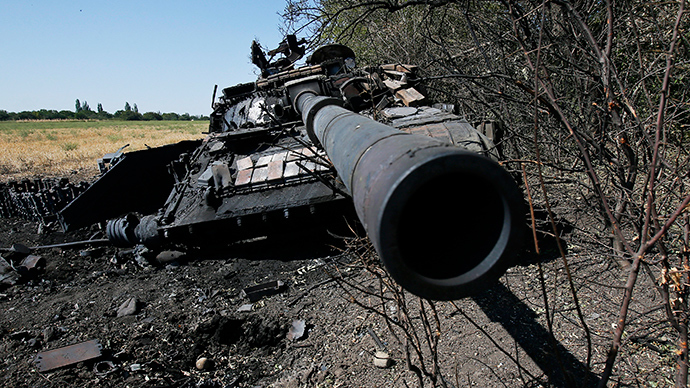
594 99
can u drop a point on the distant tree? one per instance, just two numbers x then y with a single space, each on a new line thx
127 115
85 113
65 114
77 106
25 115
152 116
128 108
170 116
45 114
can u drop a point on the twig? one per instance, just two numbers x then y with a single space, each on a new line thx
632 277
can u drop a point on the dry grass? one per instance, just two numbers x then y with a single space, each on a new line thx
62 148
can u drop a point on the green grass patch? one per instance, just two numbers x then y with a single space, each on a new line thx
25 132
114 137
69 146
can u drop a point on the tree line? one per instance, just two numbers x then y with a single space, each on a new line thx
82 111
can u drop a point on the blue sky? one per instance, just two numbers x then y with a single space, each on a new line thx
161 55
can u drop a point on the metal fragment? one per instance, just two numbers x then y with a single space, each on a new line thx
31 262
8 276
254 293
104 368
75 244
68 355
376 339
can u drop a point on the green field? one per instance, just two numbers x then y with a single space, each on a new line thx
71 147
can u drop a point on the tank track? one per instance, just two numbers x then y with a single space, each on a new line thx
38 199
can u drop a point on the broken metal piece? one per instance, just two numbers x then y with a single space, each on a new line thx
37 199
169 256
68 355
75 244
8 276
376 338
139 182
5 266
31 263
15 254
254 293
91 252
104 368
221 176
20 249
410 97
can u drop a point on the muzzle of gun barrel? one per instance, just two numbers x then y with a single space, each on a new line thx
445 221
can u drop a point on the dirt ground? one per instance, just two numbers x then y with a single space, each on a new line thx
191 308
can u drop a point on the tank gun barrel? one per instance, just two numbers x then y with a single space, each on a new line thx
445 221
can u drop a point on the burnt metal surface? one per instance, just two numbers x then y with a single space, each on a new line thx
319 147
68 355
38 199
139 182
445 221
255 293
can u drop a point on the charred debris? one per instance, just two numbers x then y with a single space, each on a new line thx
319 148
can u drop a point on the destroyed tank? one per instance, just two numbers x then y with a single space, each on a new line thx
305 149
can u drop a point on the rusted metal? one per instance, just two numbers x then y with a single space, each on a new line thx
68 355
255 293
